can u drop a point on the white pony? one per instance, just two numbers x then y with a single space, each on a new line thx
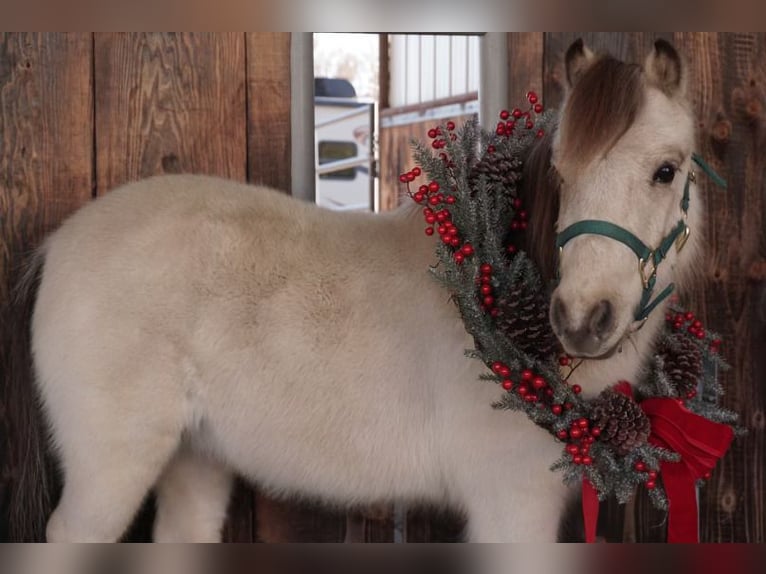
189 328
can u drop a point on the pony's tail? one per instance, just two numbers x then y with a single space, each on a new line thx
30 465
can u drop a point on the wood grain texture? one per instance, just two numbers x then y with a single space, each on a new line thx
169 103
268 110
729 93
525 65
46 145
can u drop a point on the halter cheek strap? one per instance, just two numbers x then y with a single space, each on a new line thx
648 259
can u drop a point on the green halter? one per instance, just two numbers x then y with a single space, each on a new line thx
648 259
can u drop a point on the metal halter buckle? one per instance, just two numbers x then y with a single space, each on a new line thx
681 240
643 266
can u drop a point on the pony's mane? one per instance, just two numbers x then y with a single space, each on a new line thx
601 107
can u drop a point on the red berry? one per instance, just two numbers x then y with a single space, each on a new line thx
562 434
514 225
450 125
527 375
595 432
433 187
416 171
716 342
651 484
491 149
575 433
433 200
428 211
573 449
564 361
697 324
539 383
522 225
688 316
568 406
403 178
530 125
700 334
532 97
486 279
576 389
511 249
530 398
505 372
496 366
431 133
540 133
517 203
410 177
538 108
467 249
523 215
450 199
423 189
429 230
652 474
517 113
640 466
577 459
430 219
489 300
582 423
691 394
507 384
485 268
436 144
505 114
587 460
523 390
455 242
459 257
486 289
443 156
557 409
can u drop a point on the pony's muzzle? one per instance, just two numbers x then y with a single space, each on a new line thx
585 336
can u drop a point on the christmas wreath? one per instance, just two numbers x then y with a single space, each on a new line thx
666 432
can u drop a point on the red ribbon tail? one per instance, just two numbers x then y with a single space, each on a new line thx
682 498
589 510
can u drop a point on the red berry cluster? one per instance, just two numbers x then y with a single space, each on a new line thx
438 136
693 326
508 120
486 294
531 388
580 436
651 481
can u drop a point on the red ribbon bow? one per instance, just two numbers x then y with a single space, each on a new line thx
700 443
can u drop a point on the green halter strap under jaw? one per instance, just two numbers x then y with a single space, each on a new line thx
648 259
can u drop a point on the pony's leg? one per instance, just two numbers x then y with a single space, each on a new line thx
192 499
112 454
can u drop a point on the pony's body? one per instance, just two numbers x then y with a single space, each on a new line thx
188 328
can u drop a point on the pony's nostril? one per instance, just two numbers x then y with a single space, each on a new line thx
601 320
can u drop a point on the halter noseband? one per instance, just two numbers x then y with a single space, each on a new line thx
648 259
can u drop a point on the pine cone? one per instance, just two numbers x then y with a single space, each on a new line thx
501 168
622 422
682 361
523 318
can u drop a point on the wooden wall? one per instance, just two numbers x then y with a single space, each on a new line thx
80 113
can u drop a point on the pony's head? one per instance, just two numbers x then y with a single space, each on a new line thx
622 154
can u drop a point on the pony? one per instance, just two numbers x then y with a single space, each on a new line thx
187 329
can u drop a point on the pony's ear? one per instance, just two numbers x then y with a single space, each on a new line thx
578 59
665 69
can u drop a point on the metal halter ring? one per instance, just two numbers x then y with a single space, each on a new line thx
642 269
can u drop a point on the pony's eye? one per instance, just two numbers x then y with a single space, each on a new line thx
664 174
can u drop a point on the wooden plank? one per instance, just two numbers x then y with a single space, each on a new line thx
46 173
729 93
268 110
169 103
525 66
